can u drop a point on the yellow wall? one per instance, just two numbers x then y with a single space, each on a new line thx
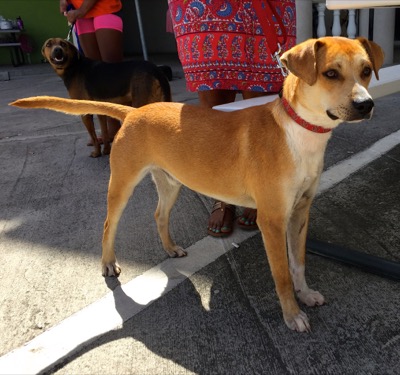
42 20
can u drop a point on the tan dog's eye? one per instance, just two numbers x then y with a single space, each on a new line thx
331 74
63 44
367 72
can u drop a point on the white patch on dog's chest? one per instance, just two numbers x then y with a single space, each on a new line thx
307 149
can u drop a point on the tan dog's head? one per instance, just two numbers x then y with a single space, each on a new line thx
330 77
59 53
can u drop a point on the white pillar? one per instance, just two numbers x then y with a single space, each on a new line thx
336 27
321 31
363 28
352 28
304 20
384 31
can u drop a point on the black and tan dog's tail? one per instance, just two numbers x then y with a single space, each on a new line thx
75 107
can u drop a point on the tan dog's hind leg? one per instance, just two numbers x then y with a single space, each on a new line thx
168 190
120 189
272 224
88 122
297 235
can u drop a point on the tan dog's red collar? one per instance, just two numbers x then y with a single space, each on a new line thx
305 124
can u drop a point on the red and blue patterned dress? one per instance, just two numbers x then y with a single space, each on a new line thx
223 44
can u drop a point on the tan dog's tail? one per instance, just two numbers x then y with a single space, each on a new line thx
75 107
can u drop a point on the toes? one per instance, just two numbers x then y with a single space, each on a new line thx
177 252
248 219
214 230
311 297
111 269
299 322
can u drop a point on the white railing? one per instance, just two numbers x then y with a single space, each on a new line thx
349 23
337 28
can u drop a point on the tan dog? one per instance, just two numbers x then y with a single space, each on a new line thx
134 83
271 159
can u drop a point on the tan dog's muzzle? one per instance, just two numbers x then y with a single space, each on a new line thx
58 55
364 108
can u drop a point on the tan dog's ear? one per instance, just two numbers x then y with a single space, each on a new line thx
43 47
375 54
301 60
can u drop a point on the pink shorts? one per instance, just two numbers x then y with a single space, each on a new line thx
90 25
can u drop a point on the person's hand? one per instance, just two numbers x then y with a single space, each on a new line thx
72 15
63 7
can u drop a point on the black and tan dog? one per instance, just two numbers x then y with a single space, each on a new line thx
271 158
133 83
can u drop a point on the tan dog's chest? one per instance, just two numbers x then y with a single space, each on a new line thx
307 151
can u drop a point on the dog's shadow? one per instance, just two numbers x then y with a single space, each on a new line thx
226 319
187 328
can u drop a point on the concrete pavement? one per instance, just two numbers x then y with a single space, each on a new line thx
215 312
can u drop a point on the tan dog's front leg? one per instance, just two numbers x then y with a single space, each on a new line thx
273 230
88 122
297 235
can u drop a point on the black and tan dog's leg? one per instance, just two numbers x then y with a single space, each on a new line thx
168 190
297 236
272 221
104 134
88 122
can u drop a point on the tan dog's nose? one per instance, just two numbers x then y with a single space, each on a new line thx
364 107
57 53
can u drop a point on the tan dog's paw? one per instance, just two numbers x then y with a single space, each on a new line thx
311 297
111 269
176 252
298 322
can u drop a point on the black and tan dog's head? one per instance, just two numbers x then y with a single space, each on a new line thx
59 52
335 72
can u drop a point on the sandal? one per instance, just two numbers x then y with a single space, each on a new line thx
248 219
219 210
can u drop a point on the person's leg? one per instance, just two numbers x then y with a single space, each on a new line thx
90 48
221 219
110 44
88 43
109 28
211 98
255 94
87 38
111 51
109 39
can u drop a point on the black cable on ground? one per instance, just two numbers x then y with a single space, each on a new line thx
367 262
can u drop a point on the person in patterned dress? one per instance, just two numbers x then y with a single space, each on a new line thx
226 47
